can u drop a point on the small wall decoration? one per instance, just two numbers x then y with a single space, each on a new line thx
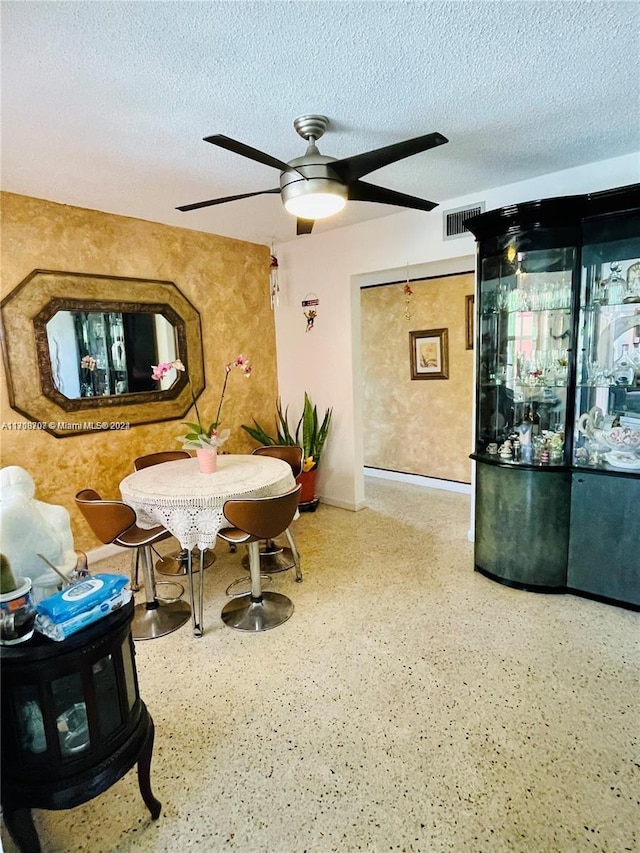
408 293
429 354
468 324
274 287
309 303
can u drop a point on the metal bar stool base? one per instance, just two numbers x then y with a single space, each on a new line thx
242 586
245 614
272 563
149 624
177 588
174 565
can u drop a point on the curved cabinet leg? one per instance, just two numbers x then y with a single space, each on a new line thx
144 773
20 825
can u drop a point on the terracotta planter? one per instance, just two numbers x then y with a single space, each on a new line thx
308 481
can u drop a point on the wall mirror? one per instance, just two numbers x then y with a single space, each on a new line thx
105 353
78 351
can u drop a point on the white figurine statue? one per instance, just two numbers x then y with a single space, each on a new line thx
29 527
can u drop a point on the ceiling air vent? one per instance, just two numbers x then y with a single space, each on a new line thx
454 220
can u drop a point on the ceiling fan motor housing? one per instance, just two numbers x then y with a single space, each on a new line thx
313 176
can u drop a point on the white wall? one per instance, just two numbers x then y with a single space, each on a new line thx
334 265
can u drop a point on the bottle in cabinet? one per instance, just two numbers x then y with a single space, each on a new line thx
623 369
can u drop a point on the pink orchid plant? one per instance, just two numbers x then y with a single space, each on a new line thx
199 436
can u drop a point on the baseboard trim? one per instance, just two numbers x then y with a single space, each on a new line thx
418 480
351 506
101 553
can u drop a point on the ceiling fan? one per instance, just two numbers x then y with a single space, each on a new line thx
316 186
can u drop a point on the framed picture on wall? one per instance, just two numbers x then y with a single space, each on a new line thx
429 354
468 324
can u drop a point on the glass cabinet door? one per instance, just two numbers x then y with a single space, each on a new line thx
607 415
525 345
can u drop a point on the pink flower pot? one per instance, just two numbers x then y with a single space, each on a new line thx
207 460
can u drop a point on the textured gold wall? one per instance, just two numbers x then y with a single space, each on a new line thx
420 426
227 281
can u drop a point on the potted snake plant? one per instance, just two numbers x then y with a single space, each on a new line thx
310 434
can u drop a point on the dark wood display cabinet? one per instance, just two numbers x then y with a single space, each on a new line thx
73 723
557 504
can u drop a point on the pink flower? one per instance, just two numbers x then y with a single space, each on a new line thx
198 432
161 370
240 361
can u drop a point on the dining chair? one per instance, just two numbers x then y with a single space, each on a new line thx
252 520
175 563
274 557
114 522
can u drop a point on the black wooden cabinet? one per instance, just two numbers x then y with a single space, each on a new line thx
558 395
73 722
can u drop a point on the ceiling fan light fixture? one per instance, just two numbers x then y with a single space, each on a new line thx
316 186
318 205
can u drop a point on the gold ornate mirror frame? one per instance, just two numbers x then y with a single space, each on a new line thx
24 314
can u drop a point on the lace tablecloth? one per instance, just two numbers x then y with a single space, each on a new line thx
189 504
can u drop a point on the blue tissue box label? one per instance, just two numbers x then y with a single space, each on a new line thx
82 590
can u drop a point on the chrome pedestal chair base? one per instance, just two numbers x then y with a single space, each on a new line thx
156 617
243 586
174 589
274 558
255 520
152 622
249 614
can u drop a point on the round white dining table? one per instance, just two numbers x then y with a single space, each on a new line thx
190 504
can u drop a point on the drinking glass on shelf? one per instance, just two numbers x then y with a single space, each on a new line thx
601 373
599 292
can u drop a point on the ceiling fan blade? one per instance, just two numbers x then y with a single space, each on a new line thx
351 168
362 191
213 201
247 151
304 226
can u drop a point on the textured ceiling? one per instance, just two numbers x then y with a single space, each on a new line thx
105 104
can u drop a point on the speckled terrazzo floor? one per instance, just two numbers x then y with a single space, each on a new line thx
410 704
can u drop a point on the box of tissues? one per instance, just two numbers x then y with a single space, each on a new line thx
74 608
